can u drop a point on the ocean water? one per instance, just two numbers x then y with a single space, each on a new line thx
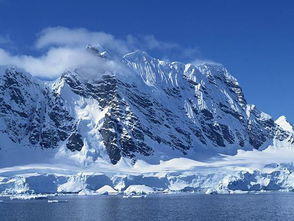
270 206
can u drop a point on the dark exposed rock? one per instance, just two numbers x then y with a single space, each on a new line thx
213 133
207 114
75 142
32 104
228 110
227 134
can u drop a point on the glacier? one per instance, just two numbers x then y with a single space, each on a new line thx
135 124
248 171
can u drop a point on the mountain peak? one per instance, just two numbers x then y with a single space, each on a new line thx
137 55
99 51
10 68
284 124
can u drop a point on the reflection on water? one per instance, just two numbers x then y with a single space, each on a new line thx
272 206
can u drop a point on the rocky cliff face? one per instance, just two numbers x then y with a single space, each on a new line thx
157 110
30 114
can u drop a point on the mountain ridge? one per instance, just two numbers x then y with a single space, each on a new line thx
154 110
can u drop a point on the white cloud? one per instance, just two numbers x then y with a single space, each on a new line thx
80 37
58 60
61 36
63 48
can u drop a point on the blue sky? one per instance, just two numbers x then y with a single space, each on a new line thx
253 39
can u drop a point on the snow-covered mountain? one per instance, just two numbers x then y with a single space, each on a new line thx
135 107
136 124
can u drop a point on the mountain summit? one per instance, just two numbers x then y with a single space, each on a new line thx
283 123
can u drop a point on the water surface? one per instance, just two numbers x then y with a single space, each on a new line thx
270 206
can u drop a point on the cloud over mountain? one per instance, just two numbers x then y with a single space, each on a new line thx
62 48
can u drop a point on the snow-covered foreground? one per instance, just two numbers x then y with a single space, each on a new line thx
268 170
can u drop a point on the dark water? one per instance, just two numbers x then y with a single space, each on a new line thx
274 206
